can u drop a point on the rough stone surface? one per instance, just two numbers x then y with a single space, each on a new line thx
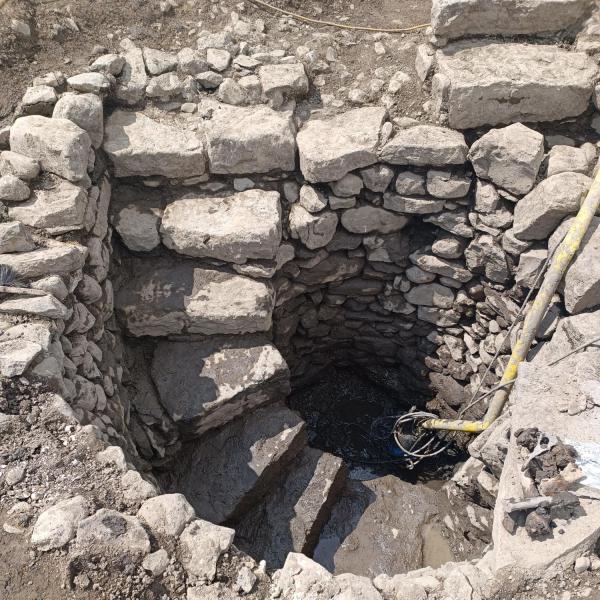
58 209
14 238
539 213
227 471
367 219
201 545
86 111
236 228
486 84
510 157
16 355
164 298
139 146
59 145
203 385
57 525
289 520
425 145
314 231
137 223
452 19
236 145
330 148
166 515
12 189
23 167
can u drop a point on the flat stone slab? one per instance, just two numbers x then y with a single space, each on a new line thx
486 84
234 228
452 19
226 472
203 385
254 139
426 145
163 297
140 146
331 148
291 518
57 258
57 209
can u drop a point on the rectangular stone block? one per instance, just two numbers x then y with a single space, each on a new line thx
486 84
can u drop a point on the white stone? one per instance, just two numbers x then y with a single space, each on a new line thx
16 355
138 226
366 219
159 62
14 238
166 515
313 230
95 83
132 81
57 525
20 166
312 199
12 189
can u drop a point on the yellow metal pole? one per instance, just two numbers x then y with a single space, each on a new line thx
560 262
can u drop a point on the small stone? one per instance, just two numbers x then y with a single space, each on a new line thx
245 580
12 189
218 59
95 83
582 564
399 80
209 80
166 515
349 185
311 199
20 166
109 63
156 562
159 62
57 525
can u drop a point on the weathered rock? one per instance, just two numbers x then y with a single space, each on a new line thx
445 268
159 62
166 515
410 184
58 209
236 228
236 145
164 86
314 231
448 246
156 562
191 62
335 267
23 167
111 533
201 545
484 255
137 223
14 238
109 63
431 294
135 488
438 316
377 178
425 145
39 99
330 148
538 214
416 205
301 577
57 525
510 157
581 283
139 146
367 219
566 159
286 81
453 19
477 83
59 145
312 199
86 111
203 385
446 184
132 82
299 507
166 297
456 222
227 471
12 189
348 185
16 355
95 83
41 306
55 258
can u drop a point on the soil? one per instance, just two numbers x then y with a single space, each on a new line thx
64 33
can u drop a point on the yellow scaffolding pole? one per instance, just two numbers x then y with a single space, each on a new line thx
558 267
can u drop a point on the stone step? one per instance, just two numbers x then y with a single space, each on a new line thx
478 83
291 518
165 297
228 471
454 19
203 385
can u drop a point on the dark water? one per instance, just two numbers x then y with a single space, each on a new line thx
349 415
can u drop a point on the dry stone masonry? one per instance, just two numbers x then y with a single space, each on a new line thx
180 246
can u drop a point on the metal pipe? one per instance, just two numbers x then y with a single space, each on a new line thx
558 267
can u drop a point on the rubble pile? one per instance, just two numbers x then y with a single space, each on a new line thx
180 245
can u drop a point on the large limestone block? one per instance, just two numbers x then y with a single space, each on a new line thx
539 213
510 157
226 472
426 145
487 84
252 139
60 146
331 148
57 209
299 506
55 258
86 111
132 81
452 19
203 385
140 146
164 297
234 229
